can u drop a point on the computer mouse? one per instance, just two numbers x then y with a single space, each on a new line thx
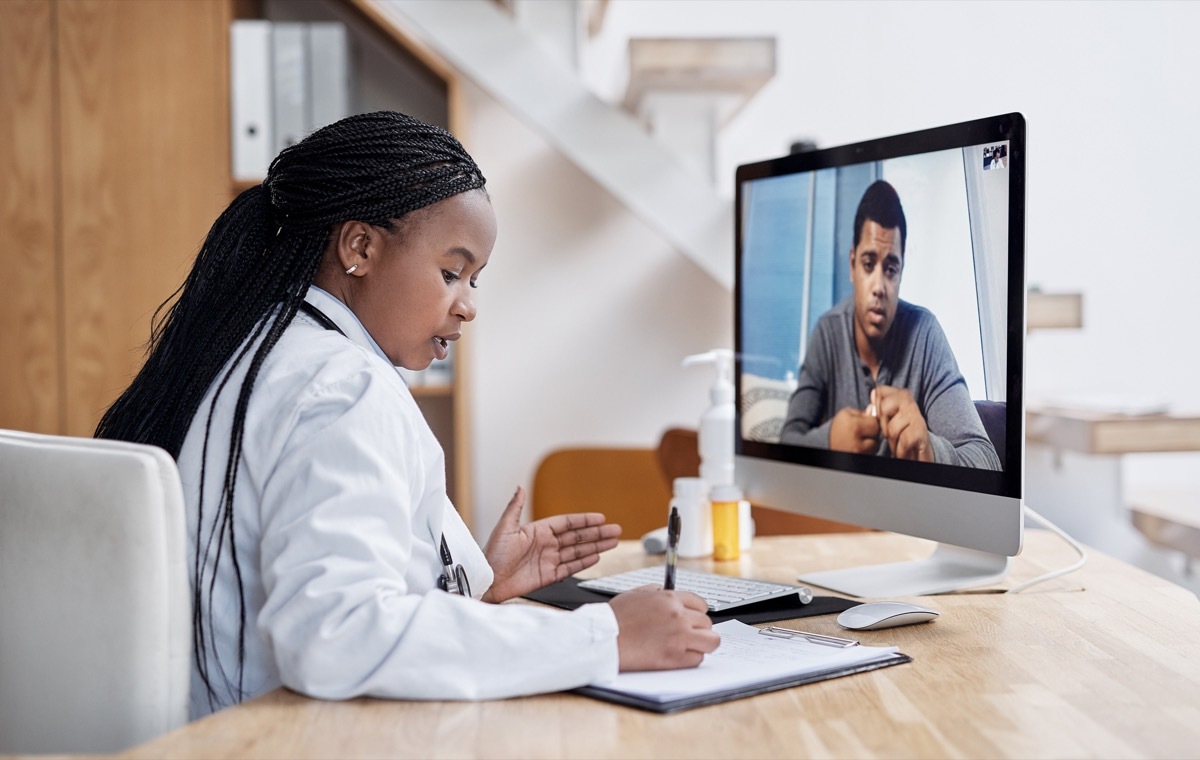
874 615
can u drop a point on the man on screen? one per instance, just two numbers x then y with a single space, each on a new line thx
879 376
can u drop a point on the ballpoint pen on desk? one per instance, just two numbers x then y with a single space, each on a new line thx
672 548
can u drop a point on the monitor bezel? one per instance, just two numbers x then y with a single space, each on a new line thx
1006 127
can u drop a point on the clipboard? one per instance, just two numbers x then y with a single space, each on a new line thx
677 690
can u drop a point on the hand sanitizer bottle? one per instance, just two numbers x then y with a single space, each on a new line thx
716 424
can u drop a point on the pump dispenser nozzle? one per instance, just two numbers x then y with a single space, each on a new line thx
722 360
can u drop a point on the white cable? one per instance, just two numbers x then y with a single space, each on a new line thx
1054 573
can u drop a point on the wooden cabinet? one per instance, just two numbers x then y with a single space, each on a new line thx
115 150
31 370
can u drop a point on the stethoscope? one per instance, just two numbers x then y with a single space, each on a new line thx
454 577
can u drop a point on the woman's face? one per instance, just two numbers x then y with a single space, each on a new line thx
417 289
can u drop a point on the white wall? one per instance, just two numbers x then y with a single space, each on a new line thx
585 312
584 317
939 275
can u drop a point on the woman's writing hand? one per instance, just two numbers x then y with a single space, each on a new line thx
662 629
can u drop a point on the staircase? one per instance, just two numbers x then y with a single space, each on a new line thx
669 192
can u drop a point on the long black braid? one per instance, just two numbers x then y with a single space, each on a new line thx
256 263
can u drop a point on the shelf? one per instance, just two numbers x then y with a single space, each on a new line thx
1170 519
242 185
731 70
1102 433
1054 310
431 391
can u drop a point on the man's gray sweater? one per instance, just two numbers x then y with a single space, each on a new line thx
916 357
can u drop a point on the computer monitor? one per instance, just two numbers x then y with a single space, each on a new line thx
879 370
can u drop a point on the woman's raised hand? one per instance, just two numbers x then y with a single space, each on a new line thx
527 557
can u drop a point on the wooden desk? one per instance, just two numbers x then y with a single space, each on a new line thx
1101 663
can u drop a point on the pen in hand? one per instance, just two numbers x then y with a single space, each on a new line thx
672 548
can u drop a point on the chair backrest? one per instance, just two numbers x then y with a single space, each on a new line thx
994 416
95 621
623 483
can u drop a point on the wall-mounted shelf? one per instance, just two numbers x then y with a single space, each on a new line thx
1089 432
431 391
1054 310
730 69
1170 519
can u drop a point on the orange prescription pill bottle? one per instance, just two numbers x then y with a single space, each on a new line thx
726 543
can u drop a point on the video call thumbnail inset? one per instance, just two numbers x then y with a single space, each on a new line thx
995 157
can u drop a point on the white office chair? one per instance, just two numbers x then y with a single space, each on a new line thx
95 620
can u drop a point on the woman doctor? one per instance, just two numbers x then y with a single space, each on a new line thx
325 555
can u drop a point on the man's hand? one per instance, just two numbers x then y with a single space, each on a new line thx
902 424
527 557
855 431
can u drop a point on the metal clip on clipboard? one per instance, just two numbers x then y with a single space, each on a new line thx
815 638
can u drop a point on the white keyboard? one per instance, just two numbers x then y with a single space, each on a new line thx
722 592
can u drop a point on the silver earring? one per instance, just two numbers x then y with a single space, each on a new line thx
351 269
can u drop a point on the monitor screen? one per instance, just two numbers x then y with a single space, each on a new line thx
880 317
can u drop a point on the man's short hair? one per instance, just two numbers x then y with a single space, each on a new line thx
881 204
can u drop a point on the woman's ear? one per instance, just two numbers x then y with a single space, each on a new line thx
354 247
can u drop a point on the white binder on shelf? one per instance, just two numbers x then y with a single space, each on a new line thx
251 69
288 80
289 54
329 73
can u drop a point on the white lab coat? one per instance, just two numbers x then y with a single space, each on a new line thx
340 501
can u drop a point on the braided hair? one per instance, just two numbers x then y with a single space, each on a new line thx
256 262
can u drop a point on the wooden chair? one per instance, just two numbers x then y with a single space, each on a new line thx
632 487
625 484
679 457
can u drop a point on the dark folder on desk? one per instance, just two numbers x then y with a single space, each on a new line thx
746 664
567 595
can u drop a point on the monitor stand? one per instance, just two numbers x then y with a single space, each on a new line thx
949 568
